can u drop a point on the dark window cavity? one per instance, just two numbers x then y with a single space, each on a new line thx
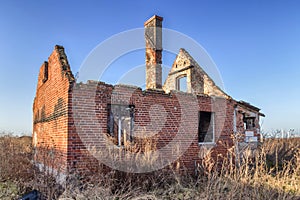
249 122
120 123
206 127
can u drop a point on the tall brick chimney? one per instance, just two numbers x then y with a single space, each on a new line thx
153 37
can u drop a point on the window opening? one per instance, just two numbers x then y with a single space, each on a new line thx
206 127
181 83
249 122
120 123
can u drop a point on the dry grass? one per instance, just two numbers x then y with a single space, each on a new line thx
15 167
272 173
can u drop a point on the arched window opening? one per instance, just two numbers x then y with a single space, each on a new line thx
181 83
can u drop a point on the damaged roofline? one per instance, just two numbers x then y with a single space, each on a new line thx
249 106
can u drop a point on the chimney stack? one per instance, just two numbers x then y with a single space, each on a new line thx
153 37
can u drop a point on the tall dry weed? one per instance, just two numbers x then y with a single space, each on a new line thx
272 172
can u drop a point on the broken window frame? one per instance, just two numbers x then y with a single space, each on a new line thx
211 125
117 115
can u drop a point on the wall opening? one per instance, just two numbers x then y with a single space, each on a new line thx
206 127
120 123
249 121
181 83
45 78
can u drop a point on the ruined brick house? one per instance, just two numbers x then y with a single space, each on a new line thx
188 106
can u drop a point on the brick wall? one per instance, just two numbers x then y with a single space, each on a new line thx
50 110
158 115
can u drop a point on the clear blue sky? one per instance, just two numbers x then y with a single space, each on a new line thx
255 45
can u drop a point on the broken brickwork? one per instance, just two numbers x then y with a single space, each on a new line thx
68 115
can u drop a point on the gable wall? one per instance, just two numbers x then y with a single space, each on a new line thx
50 111
198 82
179 68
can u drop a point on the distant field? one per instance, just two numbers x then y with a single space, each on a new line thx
274 173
